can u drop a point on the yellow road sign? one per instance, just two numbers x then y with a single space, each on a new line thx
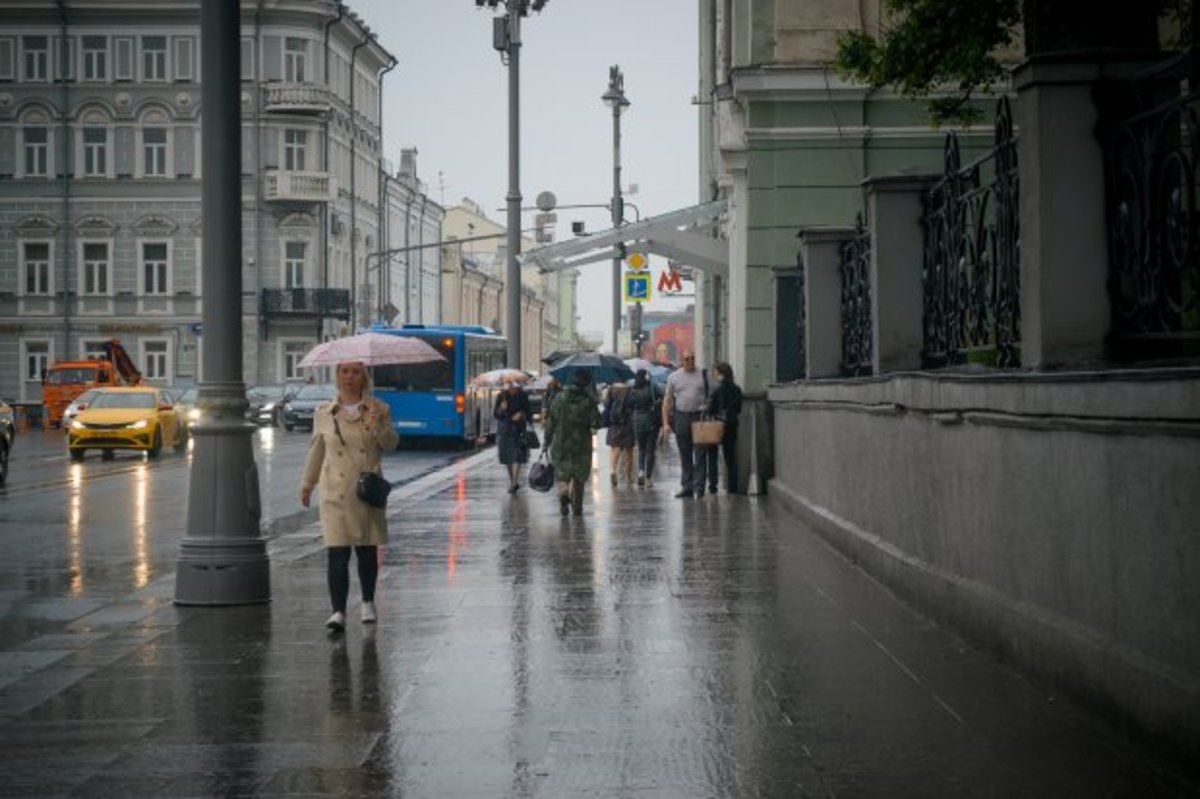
637 261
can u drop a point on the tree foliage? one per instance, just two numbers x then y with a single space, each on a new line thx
933 45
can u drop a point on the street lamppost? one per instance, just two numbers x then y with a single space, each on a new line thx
615 99
506 38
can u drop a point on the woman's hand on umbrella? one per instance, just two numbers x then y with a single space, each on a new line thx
376 410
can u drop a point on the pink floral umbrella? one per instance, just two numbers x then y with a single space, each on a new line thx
373 349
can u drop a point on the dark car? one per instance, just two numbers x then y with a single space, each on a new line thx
265 402
8 431
298 411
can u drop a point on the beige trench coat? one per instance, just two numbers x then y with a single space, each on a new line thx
346 519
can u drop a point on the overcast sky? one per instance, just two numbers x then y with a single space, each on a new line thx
448 97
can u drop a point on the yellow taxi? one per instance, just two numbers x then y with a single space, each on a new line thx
138 418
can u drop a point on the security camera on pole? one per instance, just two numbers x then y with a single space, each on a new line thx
506 38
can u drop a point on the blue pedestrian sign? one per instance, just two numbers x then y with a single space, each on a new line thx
637 287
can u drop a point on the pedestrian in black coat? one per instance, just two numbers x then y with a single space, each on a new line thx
724 404
512 415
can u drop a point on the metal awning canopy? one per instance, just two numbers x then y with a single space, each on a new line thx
676 235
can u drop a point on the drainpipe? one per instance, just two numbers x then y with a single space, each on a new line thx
421 261
258 191
341 11
407 255
354 189
65 166
381 200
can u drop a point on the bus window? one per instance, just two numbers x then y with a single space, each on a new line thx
435 376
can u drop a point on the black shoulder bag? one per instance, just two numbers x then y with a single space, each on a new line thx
372 488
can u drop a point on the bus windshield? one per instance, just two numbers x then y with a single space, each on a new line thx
64 377
435 377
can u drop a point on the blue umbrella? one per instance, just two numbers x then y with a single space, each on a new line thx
604 368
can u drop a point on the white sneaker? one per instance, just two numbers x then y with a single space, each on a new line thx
368 613
337 622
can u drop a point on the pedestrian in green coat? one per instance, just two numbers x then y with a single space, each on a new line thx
574 419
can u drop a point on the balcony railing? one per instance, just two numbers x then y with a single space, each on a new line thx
296 98
334 303
312 187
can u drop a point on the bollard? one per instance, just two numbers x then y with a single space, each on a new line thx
753 488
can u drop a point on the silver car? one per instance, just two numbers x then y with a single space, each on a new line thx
77 405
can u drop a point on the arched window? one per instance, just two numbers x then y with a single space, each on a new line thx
155 156
35 145
94 155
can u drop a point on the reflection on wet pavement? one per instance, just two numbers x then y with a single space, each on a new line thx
651 647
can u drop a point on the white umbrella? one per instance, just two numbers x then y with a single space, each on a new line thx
373 349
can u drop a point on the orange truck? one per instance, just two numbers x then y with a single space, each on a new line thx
66 380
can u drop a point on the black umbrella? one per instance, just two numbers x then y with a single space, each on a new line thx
604 368
559 355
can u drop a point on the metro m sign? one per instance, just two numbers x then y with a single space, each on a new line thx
670 281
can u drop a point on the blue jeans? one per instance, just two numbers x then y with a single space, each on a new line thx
647 442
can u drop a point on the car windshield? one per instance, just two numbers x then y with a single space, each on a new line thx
62 377
265 392
113 399
319 392
85 397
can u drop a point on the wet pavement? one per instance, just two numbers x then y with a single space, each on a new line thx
652 647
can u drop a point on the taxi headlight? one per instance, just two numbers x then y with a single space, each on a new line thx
193 414
139 424
77 425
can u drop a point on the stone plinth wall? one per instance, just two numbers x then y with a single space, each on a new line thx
1054 518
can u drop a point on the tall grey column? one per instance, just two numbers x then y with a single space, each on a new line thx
223 557
512 319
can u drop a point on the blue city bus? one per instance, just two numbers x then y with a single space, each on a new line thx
434 400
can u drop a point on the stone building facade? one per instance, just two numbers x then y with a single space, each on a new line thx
100 183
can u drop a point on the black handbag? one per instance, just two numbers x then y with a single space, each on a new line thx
373 489
541 474
530 440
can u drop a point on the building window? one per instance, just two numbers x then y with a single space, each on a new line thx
295 60
295 149
154 152
37 151
35 256
247 64
37 57
64 59
123 68
93 349
155 359
37 360
155 268
183 59
8 58
95 269
95 152
95 58
295 253
293 352
154 58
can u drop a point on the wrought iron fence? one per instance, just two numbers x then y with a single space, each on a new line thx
1154 266
856 302
971 268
